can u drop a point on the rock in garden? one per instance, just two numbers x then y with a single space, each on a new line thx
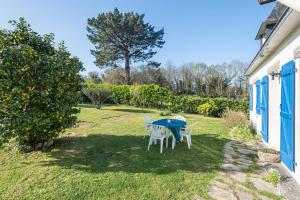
267 155
263 185
238 176
244 195
38 146
50 143
230 167
220 194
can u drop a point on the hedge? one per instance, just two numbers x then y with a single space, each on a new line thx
154 96
121 94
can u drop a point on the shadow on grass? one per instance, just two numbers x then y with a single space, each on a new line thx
131 110
87 105
111 153
128 110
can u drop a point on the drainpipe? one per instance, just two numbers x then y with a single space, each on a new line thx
294 4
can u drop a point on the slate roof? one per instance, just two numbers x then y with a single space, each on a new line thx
265 1
268 25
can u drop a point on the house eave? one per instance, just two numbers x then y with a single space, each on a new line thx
279 33
261 2
294 4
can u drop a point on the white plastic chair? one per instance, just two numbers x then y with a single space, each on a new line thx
148 124
185 132
158 133
178 117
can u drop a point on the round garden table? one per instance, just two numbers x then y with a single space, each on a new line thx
174 125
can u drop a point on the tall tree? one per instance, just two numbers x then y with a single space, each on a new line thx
123 37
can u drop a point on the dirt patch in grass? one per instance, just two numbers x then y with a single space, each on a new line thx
118 117
84 124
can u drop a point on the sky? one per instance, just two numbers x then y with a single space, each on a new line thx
195 30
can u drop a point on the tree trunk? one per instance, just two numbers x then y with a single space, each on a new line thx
127 71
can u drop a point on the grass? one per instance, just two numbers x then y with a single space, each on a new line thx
251 186
272 176
106 157
242 133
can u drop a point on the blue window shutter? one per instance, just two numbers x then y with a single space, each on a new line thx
264 108
287 115
251 97
258 97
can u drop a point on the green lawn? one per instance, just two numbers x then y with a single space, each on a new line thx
108 159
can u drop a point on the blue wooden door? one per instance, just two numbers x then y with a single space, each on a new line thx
287 115
264 109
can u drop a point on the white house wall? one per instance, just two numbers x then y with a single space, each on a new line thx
283 54
297 121
274 113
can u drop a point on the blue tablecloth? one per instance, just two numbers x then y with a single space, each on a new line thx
173 125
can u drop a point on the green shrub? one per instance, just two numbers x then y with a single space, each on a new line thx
241 132
185 104
189 104
166 113
83 98
4 135
135 96
39 87
98 95
192 104
208 109
91 84
141 95
121 94
153 96
14 145
272 176
177 103
238 105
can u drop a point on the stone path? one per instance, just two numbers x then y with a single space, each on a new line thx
241 177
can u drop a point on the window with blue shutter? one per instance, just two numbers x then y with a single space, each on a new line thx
251 97
258 97
287 115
